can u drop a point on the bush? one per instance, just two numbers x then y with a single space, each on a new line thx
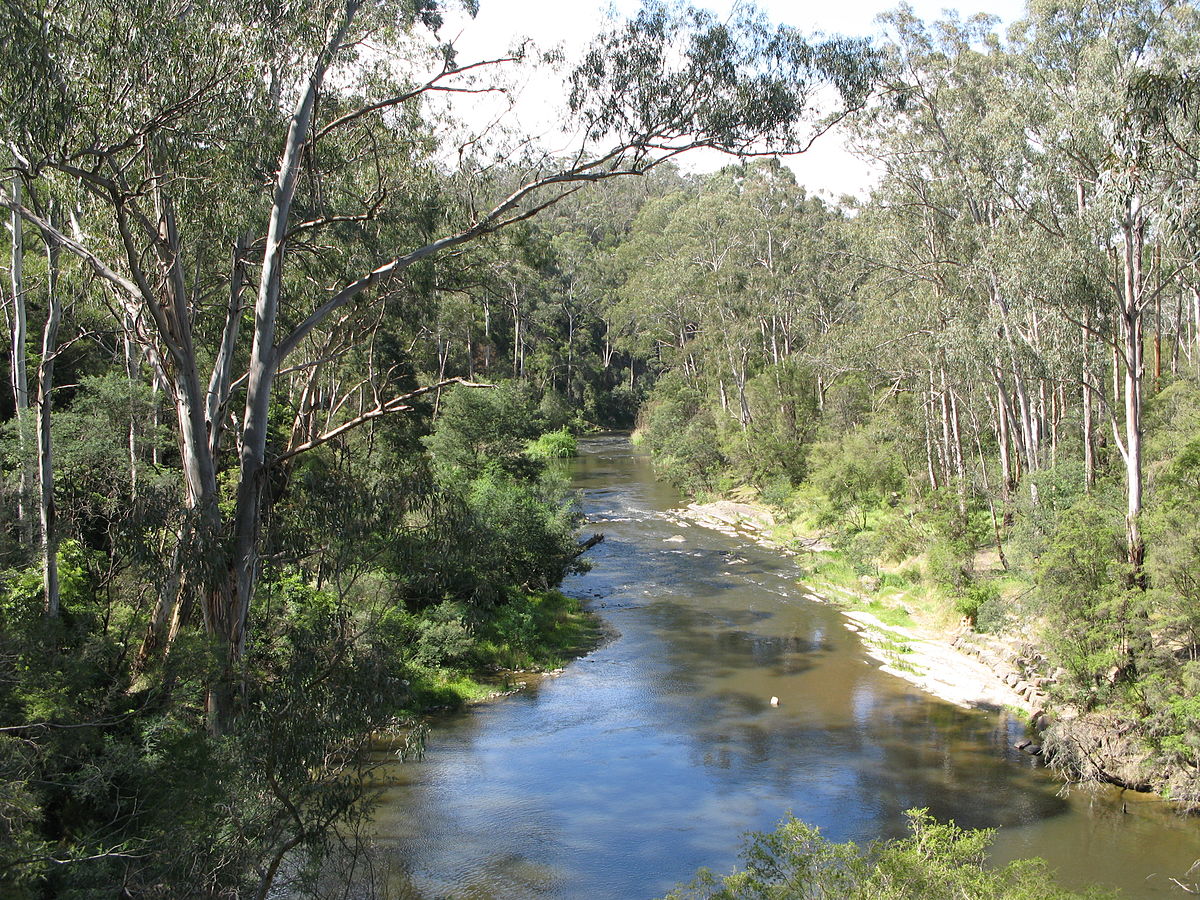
1086 597
951 557
936 862
559 444
976 598
442 637
480 428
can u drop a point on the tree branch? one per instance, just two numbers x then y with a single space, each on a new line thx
396 404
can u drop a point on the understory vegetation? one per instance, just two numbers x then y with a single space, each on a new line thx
937 861
396 582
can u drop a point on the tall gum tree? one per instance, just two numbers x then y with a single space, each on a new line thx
172 125
1087 59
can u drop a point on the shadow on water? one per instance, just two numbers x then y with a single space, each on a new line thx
650 757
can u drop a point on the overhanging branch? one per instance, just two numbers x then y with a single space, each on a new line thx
396 404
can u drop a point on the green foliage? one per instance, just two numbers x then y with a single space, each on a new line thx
559 444
442 637
979 599
1086 596
615 407
951 559
523 535
481 428
682 73
682 436
857 471
935 862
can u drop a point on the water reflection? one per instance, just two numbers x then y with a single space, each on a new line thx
649 758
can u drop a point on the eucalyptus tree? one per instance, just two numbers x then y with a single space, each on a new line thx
206 138
1086 58
944 136
18 365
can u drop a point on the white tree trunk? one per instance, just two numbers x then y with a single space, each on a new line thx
44 441
20 375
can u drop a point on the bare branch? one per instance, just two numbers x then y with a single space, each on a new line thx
396 404
430 85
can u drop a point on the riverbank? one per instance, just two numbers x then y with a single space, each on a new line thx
545 630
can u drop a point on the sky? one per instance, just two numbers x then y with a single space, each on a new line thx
827 167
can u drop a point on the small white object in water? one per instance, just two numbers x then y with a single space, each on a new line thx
774 701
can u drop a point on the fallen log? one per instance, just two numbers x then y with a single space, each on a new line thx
587 545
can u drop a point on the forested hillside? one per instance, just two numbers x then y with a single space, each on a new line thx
289 355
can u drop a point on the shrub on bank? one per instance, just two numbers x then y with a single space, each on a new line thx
935 862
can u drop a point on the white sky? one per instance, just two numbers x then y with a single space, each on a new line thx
827 167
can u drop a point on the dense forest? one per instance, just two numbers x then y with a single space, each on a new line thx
291 353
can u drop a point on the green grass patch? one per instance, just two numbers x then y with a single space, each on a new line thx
537 631
434 689
896 616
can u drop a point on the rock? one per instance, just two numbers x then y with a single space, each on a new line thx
1034 749
774 701
1022 744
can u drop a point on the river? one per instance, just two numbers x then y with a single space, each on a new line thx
650 757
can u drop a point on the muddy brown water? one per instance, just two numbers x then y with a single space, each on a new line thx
653 755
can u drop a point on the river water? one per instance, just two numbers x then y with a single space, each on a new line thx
650 757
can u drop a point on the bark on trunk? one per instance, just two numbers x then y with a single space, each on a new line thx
20 376
227 602
1131 320
45 444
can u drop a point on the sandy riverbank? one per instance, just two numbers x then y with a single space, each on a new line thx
919 655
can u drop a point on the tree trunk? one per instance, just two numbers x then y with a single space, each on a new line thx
1089 441
226 603
45 444
20 375
929 453
1131 320
1007 480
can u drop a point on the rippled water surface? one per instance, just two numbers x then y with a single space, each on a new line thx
650 757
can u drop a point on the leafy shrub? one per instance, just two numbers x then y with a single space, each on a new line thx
935 862
974 599
480 428
951 557
1085 596
902 536
443 639
559 444
682 435
857 471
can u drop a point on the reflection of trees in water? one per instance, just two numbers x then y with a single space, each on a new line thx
851 775
720 630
